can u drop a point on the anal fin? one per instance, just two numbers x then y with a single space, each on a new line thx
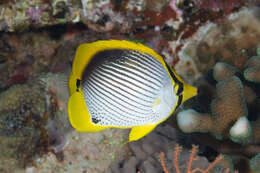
138 132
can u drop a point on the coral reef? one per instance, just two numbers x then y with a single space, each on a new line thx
156 153
36 134
227 105
38 39
228 108
20 123
220 164
31 122
221 5
232 40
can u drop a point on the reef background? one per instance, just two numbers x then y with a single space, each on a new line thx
38 39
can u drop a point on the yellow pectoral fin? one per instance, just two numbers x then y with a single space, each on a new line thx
138 132
79 116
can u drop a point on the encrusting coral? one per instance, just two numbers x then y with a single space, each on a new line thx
32 121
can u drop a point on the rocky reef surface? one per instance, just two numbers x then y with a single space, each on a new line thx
211 44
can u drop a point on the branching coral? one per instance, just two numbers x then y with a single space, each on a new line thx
227 106
221 163
252 71
228 114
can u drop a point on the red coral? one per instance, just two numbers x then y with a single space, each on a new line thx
227 6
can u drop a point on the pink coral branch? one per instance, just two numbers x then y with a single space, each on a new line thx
192 158
163 163
176 157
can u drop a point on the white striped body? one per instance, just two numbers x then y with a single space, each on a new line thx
126 88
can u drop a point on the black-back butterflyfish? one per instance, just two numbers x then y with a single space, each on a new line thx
122 84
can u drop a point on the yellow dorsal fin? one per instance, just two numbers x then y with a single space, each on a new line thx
138 132
79 115
86 51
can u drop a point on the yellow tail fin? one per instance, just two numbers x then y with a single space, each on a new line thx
188 92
